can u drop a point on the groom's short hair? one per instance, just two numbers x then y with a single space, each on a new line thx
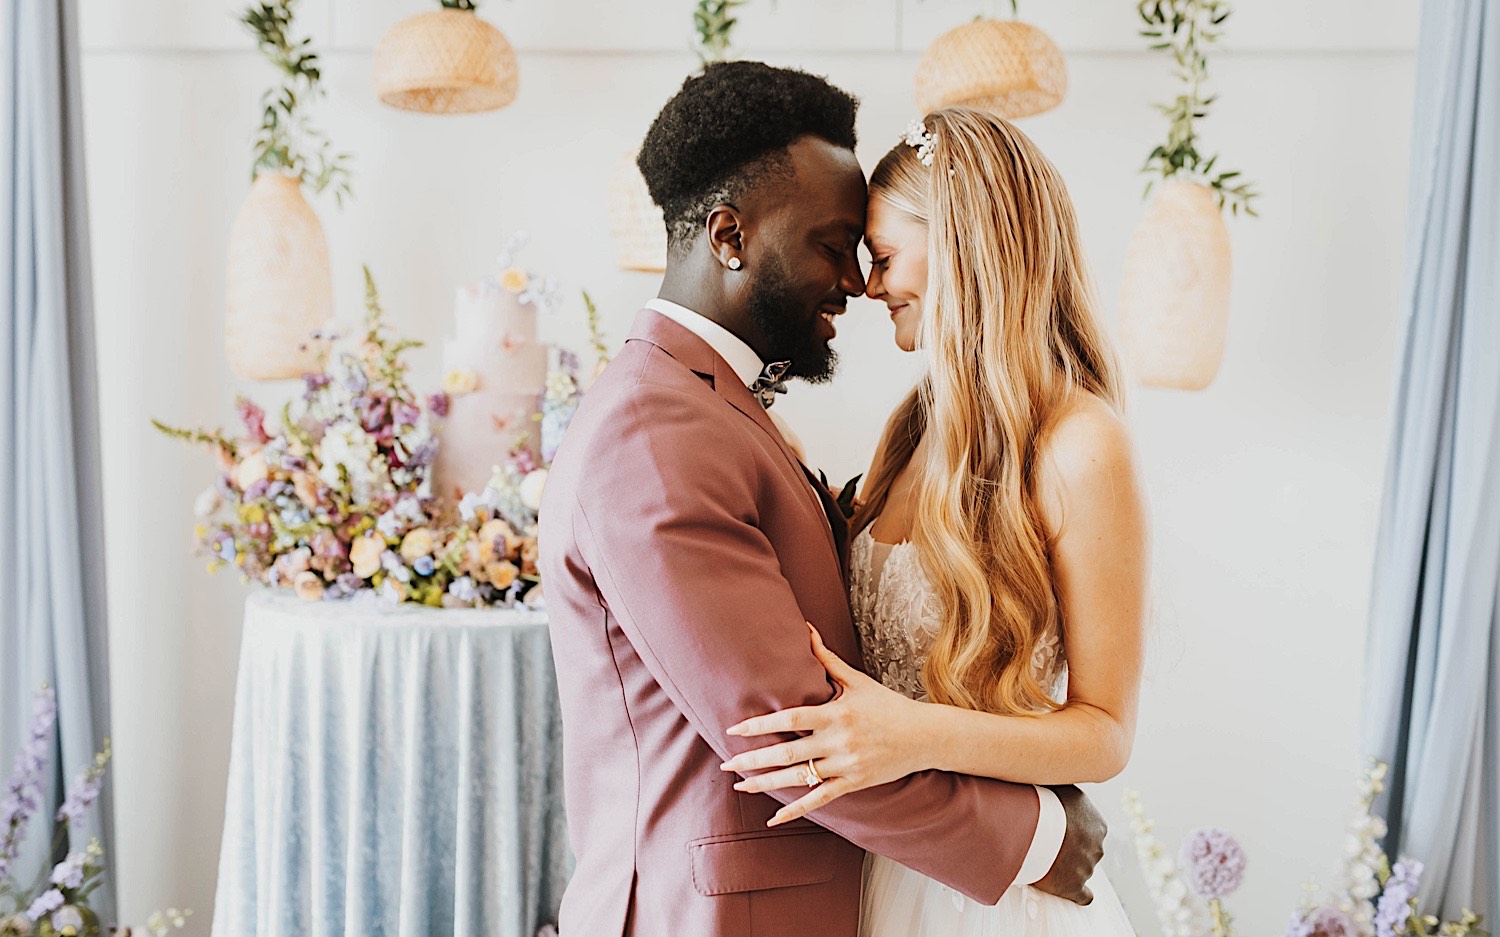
727 130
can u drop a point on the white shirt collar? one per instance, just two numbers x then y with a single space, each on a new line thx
741 357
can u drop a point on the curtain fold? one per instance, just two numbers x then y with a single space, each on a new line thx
1433 677
53 627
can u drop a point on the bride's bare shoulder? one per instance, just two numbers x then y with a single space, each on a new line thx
1084 451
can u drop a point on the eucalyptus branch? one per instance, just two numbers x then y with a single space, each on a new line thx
1185 28
715 23
285 140
214 438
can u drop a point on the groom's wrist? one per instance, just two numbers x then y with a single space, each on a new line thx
1046 843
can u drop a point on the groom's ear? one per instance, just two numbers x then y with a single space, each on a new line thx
726 233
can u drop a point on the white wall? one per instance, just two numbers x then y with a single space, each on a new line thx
1264 487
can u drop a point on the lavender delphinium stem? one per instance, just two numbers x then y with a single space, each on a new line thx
85 789
23 791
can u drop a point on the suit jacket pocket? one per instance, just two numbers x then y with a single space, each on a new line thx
757 860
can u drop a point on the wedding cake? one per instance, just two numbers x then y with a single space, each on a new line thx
495 373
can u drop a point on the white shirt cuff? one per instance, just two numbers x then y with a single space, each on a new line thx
1051 825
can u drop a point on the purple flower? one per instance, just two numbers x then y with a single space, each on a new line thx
23 790
257 490
315 382
69 872
405 413
50 901
1395 907
1214 862
438 404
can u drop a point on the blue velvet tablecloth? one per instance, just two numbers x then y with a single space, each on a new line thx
393 771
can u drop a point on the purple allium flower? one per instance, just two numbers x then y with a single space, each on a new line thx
1395 907
1214 862
69 872
50 901
438 403
22 792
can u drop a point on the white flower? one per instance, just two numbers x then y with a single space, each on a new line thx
207 503
531 489
346 446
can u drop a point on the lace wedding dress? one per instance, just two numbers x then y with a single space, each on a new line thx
896 614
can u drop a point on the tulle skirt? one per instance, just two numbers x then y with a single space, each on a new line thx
901 903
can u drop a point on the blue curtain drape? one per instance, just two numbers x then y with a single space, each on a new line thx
1433 688
52 590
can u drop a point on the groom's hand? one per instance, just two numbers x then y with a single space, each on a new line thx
1082 848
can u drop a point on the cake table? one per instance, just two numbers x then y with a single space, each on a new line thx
393 771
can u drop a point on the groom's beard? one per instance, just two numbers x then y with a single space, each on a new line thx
790 336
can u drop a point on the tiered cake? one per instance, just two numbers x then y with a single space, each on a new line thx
495 372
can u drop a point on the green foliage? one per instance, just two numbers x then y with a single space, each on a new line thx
715 23
1185 28
468 5
285 141
596 329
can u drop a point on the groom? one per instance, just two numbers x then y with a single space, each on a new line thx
685 546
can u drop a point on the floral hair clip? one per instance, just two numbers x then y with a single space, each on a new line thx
919 136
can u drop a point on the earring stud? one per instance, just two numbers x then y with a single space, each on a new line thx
734 263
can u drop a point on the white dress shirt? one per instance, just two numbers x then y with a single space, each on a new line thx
1052 822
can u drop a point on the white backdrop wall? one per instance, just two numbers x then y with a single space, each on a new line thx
1264 487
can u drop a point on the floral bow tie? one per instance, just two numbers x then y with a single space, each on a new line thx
770 383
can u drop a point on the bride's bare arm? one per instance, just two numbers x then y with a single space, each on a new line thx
869 735
1094 510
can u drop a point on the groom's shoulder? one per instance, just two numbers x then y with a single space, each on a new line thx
643 374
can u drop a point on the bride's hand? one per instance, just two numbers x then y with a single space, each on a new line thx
866 736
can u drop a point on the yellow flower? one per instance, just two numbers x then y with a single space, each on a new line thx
501 575
416 544
252 513
365 555
460 381
308 585
514 279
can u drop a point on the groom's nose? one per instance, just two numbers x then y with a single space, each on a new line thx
851 277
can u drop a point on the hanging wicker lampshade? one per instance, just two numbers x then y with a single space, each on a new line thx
445 62
278 285
635 223
1174 296
1005 66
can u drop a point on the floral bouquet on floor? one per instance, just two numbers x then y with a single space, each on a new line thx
1375 898
57 904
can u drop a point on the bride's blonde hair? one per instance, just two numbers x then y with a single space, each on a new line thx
1008 328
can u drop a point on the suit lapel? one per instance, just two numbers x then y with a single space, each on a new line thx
698 356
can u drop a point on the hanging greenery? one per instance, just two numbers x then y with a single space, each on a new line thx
715 22
1186 28
286 141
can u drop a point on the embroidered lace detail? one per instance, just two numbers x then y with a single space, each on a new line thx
896 613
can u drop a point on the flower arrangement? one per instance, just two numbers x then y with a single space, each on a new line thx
57 905
335 497
1376 898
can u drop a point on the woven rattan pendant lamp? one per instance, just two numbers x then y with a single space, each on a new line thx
1006 66
447 61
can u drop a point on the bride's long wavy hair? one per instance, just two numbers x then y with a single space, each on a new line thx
1009 331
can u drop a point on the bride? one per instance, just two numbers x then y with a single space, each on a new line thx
999 570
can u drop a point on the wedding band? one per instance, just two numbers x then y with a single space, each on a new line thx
810 775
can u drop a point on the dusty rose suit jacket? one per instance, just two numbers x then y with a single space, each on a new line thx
683 546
